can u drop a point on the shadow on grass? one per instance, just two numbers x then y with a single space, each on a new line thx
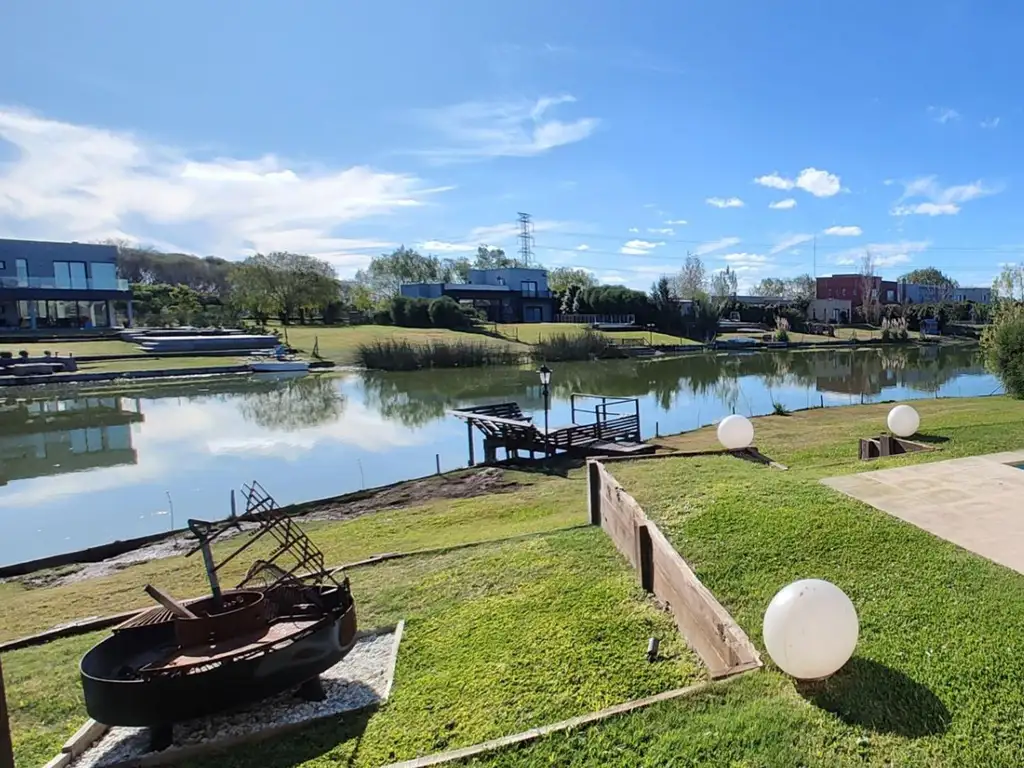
929 439
869 694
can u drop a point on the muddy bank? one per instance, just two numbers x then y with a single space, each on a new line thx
463 485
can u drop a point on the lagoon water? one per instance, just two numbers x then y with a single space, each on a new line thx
86 466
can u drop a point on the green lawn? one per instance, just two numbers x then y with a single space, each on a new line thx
76 348
339 343
499 637
935 680
531 333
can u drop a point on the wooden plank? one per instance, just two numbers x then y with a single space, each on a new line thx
169 602
6 747
84 737
464 753
60 761
594 492
710 625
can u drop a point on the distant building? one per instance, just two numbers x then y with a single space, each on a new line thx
830 310
60 285
913 293
851 288
512 295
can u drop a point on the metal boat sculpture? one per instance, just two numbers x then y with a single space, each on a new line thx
289 620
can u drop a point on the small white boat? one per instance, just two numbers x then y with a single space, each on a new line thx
278 366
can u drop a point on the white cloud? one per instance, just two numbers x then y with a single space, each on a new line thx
582 247
789 241
818 183
942 201
504 128
638 247
715 245
720 202
783 205
847 231
79 182
990 123
674 222
943 114
884 254
634 230
745 258
774 181
662 231
446 247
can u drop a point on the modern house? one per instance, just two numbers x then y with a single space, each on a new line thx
911 293
61 285
852 287
512 295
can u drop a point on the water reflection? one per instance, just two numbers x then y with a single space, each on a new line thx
85 469
299 403
416 399
52 436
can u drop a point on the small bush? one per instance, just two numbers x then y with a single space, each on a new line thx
1003 345
445 312
779 409
562 347
781 329
410 313
381 317
5 355
23 354
401 355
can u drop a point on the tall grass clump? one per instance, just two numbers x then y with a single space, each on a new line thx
402 355
563 347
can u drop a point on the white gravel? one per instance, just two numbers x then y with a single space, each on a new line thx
357 681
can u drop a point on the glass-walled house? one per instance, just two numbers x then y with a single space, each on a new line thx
61 286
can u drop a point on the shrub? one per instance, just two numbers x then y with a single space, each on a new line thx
5 355
445 312
381 317
23 354
779 409
400 355
561 347
1003 345
781 329
410 313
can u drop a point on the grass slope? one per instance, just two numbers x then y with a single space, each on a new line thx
531 333
499 638
76 348
935 678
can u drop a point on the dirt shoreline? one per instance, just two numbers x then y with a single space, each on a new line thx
461 485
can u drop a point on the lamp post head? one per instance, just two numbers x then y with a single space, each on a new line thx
545 375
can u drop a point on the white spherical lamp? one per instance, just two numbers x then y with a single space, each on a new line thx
810 629
903 421
735 432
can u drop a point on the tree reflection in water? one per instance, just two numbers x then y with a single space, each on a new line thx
294 404
415 399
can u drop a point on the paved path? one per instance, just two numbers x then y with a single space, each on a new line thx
976 502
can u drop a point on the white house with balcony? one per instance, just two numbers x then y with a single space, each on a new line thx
53 286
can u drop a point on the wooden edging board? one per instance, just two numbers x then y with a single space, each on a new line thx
707 627
177 755
533 734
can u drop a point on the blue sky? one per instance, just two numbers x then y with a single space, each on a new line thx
345 128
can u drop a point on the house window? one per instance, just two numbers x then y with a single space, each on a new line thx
3 265
529 288
21 267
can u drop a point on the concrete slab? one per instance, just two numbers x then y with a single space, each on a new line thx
975 502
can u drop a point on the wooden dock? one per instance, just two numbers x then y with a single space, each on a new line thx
612 428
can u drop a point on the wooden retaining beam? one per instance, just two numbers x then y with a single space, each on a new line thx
708 628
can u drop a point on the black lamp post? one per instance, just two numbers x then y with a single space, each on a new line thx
650 334
545 381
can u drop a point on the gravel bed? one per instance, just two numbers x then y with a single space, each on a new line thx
357 681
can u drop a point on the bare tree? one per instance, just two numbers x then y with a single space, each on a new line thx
868 289
692 280
724 284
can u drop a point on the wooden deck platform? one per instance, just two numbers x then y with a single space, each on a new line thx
504 426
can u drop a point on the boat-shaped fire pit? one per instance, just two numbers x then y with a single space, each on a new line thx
289 620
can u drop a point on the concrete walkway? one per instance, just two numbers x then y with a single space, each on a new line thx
976 502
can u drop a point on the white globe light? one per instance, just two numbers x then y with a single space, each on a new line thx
810 629
735 432
903 421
